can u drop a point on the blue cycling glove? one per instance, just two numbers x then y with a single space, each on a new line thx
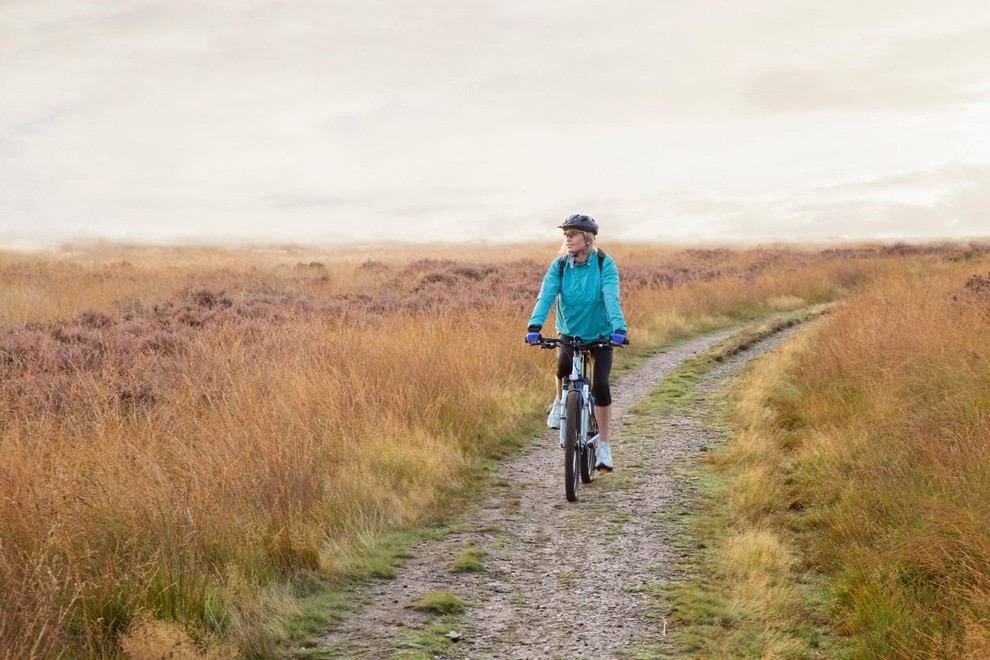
533 338
618 338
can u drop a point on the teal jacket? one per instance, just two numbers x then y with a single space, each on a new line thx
587 298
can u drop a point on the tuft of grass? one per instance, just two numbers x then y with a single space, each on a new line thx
440 602
469 560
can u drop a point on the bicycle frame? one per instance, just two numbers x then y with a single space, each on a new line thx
578 426
579 380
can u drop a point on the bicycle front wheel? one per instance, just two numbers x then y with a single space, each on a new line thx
589 456
572 448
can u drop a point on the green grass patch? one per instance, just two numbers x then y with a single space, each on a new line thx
469 560
434 641
616 526
381 555
320 605
440 602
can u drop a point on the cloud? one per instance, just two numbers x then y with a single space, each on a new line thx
968 205
943 202
911 74
936 184
304 118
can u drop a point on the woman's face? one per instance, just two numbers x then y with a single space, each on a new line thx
575 241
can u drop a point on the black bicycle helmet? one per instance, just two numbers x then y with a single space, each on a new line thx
582 222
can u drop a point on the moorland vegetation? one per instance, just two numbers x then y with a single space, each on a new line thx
193 440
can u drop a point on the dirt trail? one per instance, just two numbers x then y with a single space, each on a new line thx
548 560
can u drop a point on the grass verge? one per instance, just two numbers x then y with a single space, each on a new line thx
745 594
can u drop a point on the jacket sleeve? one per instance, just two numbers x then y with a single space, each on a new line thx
610 293
549 289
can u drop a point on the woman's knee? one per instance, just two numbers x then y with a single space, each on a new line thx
563 364
602 394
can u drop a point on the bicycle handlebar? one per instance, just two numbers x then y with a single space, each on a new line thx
577 343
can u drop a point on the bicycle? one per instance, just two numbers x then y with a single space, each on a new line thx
578 425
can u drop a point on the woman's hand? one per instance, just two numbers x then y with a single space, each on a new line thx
618 338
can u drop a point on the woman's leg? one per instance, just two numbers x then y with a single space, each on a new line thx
604 416
602 392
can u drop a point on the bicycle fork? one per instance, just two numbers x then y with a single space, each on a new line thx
587 406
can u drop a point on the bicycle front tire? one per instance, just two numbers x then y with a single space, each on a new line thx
590 455
572 448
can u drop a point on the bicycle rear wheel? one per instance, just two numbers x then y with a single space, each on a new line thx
572 449
590 456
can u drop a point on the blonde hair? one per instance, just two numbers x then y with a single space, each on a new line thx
589 239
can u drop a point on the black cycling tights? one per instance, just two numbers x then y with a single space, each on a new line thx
602 367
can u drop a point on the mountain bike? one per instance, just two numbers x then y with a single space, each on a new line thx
578 426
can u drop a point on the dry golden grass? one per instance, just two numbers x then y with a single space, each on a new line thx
186 430
153 639
869 438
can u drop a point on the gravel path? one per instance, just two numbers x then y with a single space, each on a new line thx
541 593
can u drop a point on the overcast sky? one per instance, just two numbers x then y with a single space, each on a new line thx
471 120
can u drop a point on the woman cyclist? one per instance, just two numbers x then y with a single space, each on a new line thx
584 282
